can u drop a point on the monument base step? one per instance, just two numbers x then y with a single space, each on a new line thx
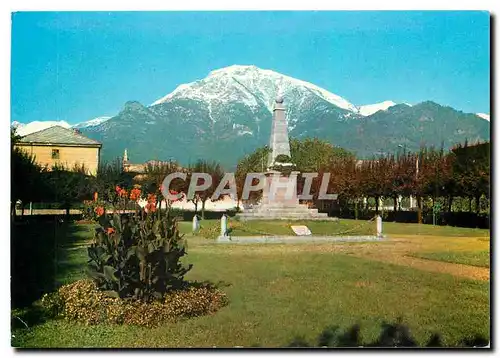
280 211
283 216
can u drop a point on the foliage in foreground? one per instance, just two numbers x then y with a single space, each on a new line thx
137 255
82 302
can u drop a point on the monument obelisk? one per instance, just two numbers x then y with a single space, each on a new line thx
277 203
278 142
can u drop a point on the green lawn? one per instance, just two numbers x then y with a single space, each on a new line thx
342 227
473 258
276 295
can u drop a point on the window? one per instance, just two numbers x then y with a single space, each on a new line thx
55 153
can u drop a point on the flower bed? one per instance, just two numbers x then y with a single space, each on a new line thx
83 302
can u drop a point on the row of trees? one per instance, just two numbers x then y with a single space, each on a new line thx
431 174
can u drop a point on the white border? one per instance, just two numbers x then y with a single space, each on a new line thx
59 5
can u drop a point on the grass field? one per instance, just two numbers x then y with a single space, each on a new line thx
281 291
474 258
350 227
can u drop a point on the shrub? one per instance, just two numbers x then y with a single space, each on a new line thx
194 301
137 255
82 302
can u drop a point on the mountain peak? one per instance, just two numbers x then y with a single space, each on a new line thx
233 69
252 85
132 105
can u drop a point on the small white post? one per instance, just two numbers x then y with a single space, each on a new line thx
223 237
223 225
196 223
379 226
31 208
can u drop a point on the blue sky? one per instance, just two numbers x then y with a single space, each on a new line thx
80 65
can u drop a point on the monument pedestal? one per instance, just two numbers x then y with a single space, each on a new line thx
278 204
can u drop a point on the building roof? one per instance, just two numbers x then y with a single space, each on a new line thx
59 135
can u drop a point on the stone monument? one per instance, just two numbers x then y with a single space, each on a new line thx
275 203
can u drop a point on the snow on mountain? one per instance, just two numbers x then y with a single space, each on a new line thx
484 116
35 126
251 86
92 122
369 109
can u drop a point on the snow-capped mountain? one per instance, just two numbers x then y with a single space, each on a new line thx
483 116
92 123
23 129
253 87
369 109
228 114
35 126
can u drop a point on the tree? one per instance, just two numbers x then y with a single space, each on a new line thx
376 178
402 176
109 175
68 186
312 154
25 176
156 172
215 171
471 171
255 162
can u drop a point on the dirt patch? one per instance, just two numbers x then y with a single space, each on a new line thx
472 272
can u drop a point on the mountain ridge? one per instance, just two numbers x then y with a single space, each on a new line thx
228 114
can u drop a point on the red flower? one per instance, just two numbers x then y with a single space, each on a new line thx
99 210
110 230
151 198
118 189
151 205
135 194
123 193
